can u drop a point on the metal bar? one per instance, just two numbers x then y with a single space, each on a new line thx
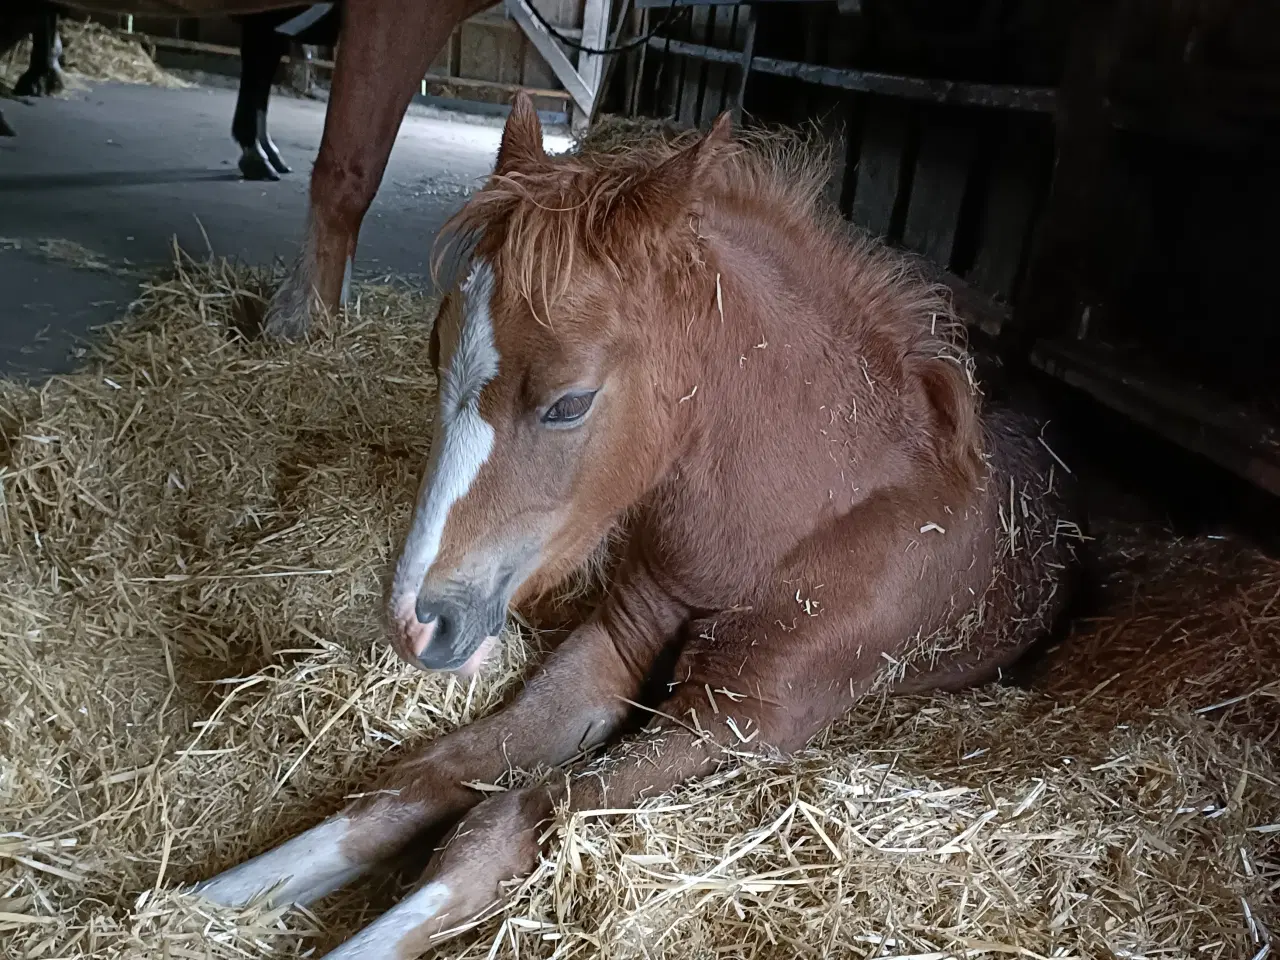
1032 99
546 45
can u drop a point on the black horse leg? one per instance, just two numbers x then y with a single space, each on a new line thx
5 129
44 76
260 51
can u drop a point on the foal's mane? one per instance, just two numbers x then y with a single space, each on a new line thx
635 202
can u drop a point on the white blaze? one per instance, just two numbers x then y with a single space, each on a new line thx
463 440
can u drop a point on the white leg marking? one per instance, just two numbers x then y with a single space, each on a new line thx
345 293
310 866
383 938
463 440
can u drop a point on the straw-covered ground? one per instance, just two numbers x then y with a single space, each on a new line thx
195 530
91 51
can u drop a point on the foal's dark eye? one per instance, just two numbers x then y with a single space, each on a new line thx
570 408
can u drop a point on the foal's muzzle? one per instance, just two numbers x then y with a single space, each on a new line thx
458 624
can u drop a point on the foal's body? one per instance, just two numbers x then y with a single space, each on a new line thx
814 510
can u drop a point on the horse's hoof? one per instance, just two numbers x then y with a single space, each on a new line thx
39 83
288 317
284 328
274 158
254 166
5 129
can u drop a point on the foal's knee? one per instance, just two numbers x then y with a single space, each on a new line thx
501 832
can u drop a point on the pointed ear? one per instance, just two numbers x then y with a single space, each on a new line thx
671 187
521 137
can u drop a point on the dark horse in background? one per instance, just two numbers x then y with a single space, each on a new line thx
265 38
384 49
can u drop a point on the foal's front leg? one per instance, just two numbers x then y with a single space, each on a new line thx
576 701
499 840
768 678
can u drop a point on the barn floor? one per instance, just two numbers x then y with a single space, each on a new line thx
116 171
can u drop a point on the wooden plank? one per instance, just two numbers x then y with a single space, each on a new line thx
1192 417
1060 262
745 64
719 76
1005 228
595 33
566 72
880 163
960 93
974 307
691 77
937 187
173 43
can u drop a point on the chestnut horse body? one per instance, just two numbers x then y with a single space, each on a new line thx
385 49
670 347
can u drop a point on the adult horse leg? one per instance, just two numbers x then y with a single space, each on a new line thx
260 51
575 702
5 129
44 75
384 50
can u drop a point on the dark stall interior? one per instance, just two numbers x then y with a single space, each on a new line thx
1096 182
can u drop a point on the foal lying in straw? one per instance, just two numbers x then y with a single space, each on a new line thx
668 346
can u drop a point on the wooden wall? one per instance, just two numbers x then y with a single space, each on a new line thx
486 47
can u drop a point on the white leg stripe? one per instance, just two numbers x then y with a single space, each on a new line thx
310 865
382 939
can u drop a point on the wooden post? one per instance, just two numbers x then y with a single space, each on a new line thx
595 33
1059 265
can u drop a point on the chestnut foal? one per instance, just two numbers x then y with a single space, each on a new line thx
672 339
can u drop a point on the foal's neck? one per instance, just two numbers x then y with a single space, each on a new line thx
785 421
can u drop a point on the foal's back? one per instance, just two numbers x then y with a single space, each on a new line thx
835 383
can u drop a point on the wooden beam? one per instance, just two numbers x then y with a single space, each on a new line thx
595 33
215 49
993 95
1191 417
583 95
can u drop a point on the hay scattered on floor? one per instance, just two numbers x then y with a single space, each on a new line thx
69 253
93 52
195 531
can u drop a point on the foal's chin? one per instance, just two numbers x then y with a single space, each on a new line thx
477 660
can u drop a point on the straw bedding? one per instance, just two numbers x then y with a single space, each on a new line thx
91 51
195 531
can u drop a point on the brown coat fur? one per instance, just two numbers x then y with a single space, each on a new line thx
809 502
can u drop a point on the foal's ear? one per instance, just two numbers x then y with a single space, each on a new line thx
521 137
675 183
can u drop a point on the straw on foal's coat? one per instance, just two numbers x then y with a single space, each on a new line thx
812 507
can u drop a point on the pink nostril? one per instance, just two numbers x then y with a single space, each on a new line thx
420 635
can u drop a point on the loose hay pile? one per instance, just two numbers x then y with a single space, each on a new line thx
195 531
91 51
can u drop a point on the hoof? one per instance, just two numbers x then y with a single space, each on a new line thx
273 157
254 166
39 83
288 316
5 129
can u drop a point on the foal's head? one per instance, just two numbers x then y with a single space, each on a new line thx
553 413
